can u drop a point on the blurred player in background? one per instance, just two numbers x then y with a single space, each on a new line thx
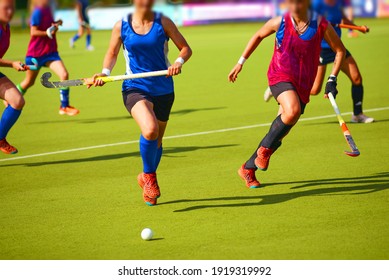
291 74
43 49
144 37
349 12
8 90
83 20
333 10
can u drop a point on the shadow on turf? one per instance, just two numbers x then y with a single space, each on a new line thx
348 123
365 185
156 239
168 152
125 117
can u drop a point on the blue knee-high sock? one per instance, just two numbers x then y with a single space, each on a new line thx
158 157
88 40
64 92
8 119
76 37
148 151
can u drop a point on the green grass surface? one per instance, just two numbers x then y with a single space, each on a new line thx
316 203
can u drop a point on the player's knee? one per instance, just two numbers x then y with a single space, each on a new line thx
315 90
292 114
151 132
64 76
17 102
357 80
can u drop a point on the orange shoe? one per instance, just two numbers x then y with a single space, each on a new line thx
248 175
353 34
150 185
70 111
149 201
6 148
263 159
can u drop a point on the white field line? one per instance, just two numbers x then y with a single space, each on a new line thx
177 136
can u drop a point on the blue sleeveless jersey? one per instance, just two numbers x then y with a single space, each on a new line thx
146 53
333 13
306 36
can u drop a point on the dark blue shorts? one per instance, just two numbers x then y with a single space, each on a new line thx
2 75
43 59
327 56
86 17
162 104
279 88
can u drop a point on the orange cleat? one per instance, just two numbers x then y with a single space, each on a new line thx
149 201
150 185
353 34
70 111
263 159
248 175
6 148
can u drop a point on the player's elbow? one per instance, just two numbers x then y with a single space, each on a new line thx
315 90
189 52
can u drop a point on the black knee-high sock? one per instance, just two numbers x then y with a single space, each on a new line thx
357 93
278 130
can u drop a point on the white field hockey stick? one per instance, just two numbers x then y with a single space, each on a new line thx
346 132
89 81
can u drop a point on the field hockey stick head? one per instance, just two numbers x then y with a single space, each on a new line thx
45 80
350 141
353 154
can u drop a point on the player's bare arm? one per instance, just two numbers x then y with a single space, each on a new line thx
173 33
337 46
268 29
39 33
17 65
111 55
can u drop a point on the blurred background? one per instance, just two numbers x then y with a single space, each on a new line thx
105 13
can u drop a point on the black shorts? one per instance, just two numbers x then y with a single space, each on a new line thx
327 56
279 88
2 75
162 104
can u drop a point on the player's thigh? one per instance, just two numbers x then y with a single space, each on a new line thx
351 69
318 85
144 115
10 93
58 67
291 108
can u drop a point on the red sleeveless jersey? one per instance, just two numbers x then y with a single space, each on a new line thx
5 36
296 60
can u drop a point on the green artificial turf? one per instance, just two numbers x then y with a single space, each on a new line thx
316 203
